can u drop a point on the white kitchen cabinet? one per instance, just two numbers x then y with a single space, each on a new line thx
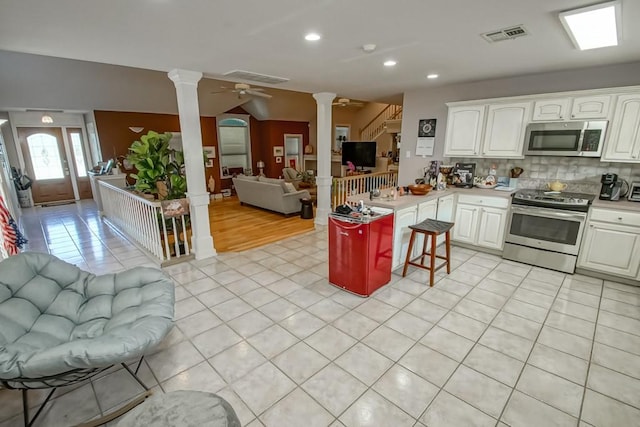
505 129
590 107
491 227
611 243
445 213
623 144
445 208
611 248
426 210
464 131
546 110
401 234
481 221
466 224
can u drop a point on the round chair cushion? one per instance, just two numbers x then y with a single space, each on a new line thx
55 318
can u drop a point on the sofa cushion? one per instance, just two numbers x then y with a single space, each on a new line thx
270 180
247 177
289 187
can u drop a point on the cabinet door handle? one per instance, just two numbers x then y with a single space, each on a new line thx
619 218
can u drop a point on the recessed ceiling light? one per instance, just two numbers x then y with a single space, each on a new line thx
390 63
312 37
594 26
432 76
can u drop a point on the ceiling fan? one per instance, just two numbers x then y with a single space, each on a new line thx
244 89
346 102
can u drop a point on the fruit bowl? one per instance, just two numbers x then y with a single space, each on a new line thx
419 189
487 186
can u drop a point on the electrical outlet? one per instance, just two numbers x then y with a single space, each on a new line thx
408 155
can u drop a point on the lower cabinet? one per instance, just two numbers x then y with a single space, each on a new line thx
401 234
491 226
611 248
481 221
466 228
426 210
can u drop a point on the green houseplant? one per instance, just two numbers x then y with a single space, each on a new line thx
307 179
160 169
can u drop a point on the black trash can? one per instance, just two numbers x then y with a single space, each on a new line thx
306 212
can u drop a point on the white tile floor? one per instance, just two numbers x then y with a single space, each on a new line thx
494 343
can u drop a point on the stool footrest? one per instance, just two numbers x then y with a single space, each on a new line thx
426 267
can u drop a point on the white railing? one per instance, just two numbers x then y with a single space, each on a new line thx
342 188
143 221
376 126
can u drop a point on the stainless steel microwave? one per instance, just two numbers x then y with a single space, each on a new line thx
583 138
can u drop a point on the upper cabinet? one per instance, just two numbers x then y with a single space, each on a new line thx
495 128
503 135
583 107
624 134
590 107
464 131
546 110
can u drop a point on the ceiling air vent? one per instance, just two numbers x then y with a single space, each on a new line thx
509 33
255 77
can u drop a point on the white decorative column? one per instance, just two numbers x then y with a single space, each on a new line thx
187 91
323 141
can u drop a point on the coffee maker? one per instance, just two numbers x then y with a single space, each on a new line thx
612 187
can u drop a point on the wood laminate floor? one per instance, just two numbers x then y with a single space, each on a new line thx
237 228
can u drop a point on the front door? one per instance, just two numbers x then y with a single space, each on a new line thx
74 137
46 164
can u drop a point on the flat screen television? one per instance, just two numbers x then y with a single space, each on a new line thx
360 153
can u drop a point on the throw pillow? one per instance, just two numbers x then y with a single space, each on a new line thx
289 187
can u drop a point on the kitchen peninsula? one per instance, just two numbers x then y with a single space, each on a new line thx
480 216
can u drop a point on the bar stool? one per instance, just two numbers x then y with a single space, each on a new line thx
431 228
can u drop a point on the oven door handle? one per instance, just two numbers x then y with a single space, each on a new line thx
548 213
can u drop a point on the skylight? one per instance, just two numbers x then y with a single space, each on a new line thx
594 26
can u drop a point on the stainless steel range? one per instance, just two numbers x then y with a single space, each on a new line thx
545 228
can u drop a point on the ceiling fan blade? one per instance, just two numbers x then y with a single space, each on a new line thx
254 92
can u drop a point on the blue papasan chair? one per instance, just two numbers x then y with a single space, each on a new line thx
60 325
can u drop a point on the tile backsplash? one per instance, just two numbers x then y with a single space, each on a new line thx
582 174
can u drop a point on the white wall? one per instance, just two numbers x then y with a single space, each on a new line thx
43 82
430 103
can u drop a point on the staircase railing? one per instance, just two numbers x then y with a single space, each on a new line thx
165 238
375 127
344 187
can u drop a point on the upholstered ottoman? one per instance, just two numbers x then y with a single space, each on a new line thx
182 409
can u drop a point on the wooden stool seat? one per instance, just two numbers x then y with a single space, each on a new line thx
431 228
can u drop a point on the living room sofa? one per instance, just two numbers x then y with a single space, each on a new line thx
269 193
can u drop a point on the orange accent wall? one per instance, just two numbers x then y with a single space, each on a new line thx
116 138
272 135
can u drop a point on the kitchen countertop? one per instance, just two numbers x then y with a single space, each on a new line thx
625 204
411 200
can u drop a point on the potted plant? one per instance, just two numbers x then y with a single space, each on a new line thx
160 169
307 179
